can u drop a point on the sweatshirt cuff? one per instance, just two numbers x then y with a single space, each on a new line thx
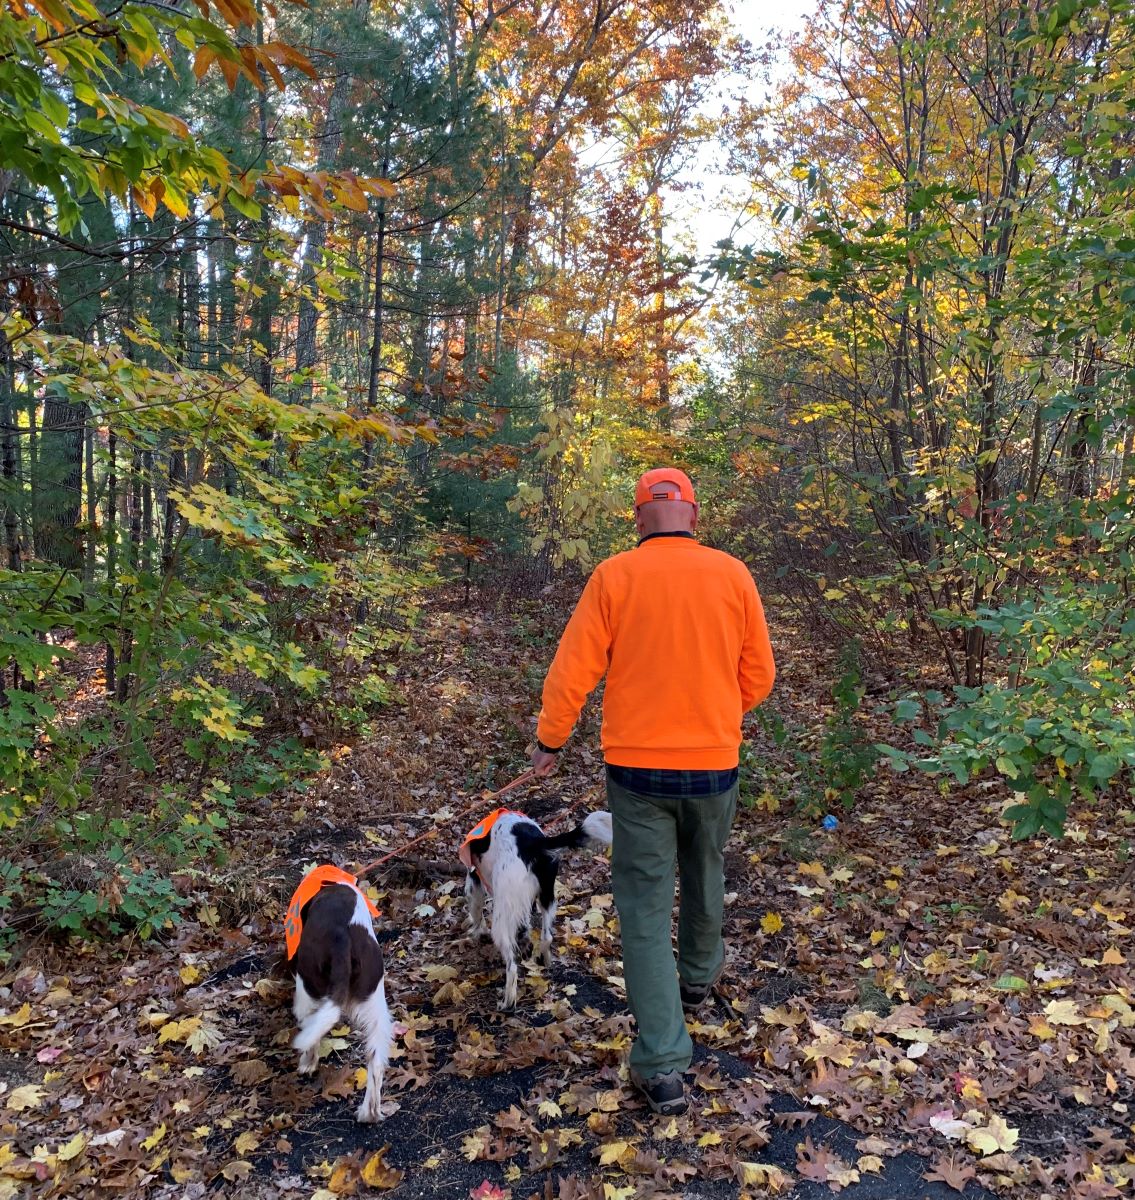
547 749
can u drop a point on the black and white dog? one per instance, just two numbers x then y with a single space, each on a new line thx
338 968
509 857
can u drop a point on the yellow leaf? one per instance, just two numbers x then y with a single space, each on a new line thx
611 1192
441 974
237 1169
995 1137
23 1098
182 1172
72 1149
171 1031
189 973
712 1138
342 1178
870 1162
1111 958
203 1037
246 1143
1064 1012
155 1137
19 1018
762 1175
1040 1028
768 802
772 922
474 1144
377 1174
612 1152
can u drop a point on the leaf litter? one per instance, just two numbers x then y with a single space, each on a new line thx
911 982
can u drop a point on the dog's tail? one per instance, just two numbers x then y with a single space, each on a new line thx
593 831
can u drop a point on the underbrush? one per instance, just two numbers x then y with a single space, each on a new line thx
817 765
129 850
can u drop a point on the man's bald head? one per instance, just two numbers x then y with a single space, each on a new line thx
666 516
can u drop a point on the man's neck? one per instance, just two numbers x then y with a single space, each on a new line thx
666 533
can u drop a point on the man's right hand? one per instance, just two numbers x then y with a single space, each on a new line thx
543 763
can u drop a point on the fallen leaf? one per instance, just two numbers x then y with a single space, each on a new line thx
377 1174
155 1137
246 1143
949 1171
772 923
22 1098
1064 1012
249 1072
488 1191
950 1126
19 1018
72 1149
994 1137
762 1175
612 1152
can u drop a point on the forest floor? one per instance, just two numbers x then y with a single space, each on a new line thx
914 1006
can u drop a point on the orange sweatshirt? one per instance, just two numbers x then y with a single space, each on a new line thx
679 630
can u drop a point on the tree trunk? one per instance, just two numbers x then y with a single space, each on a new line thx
59 495
330 141
8 458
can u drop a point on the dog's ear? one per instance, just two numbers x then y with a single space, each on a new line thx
479 846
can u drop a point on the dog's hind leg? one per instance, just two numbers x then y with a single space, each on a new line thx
372 1017
545 871
505 936
475 895
316 1018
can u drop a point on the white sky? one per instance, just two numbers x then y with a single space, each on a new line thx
710 209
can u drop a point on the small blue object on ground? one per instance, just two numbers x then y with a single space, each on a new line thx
829 822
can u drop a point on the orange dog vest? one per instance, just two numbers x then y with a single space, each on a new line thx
479 831
309 886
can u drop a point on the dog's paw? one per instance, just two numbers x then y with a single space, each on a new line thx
369 1113
309 1060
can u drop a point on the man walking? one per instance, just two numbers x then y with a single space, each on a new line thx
679 631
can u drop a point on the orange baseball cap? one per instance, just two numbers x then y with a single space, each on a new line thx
664 483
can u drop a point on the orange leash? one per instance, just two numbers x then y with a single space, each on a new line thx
521 779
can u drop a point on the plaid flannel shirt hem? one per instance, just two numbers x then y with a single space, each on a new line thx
663 782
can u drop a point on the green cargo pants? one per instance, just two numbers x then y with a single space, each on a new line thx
650 833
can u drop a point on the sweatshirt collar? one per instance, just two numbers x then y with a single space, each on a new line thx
677 533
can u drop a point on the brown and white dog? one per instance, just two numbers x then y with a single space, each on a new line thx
510 857
337 963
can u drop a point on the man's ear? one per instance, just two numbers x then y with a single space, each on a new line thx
694 520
